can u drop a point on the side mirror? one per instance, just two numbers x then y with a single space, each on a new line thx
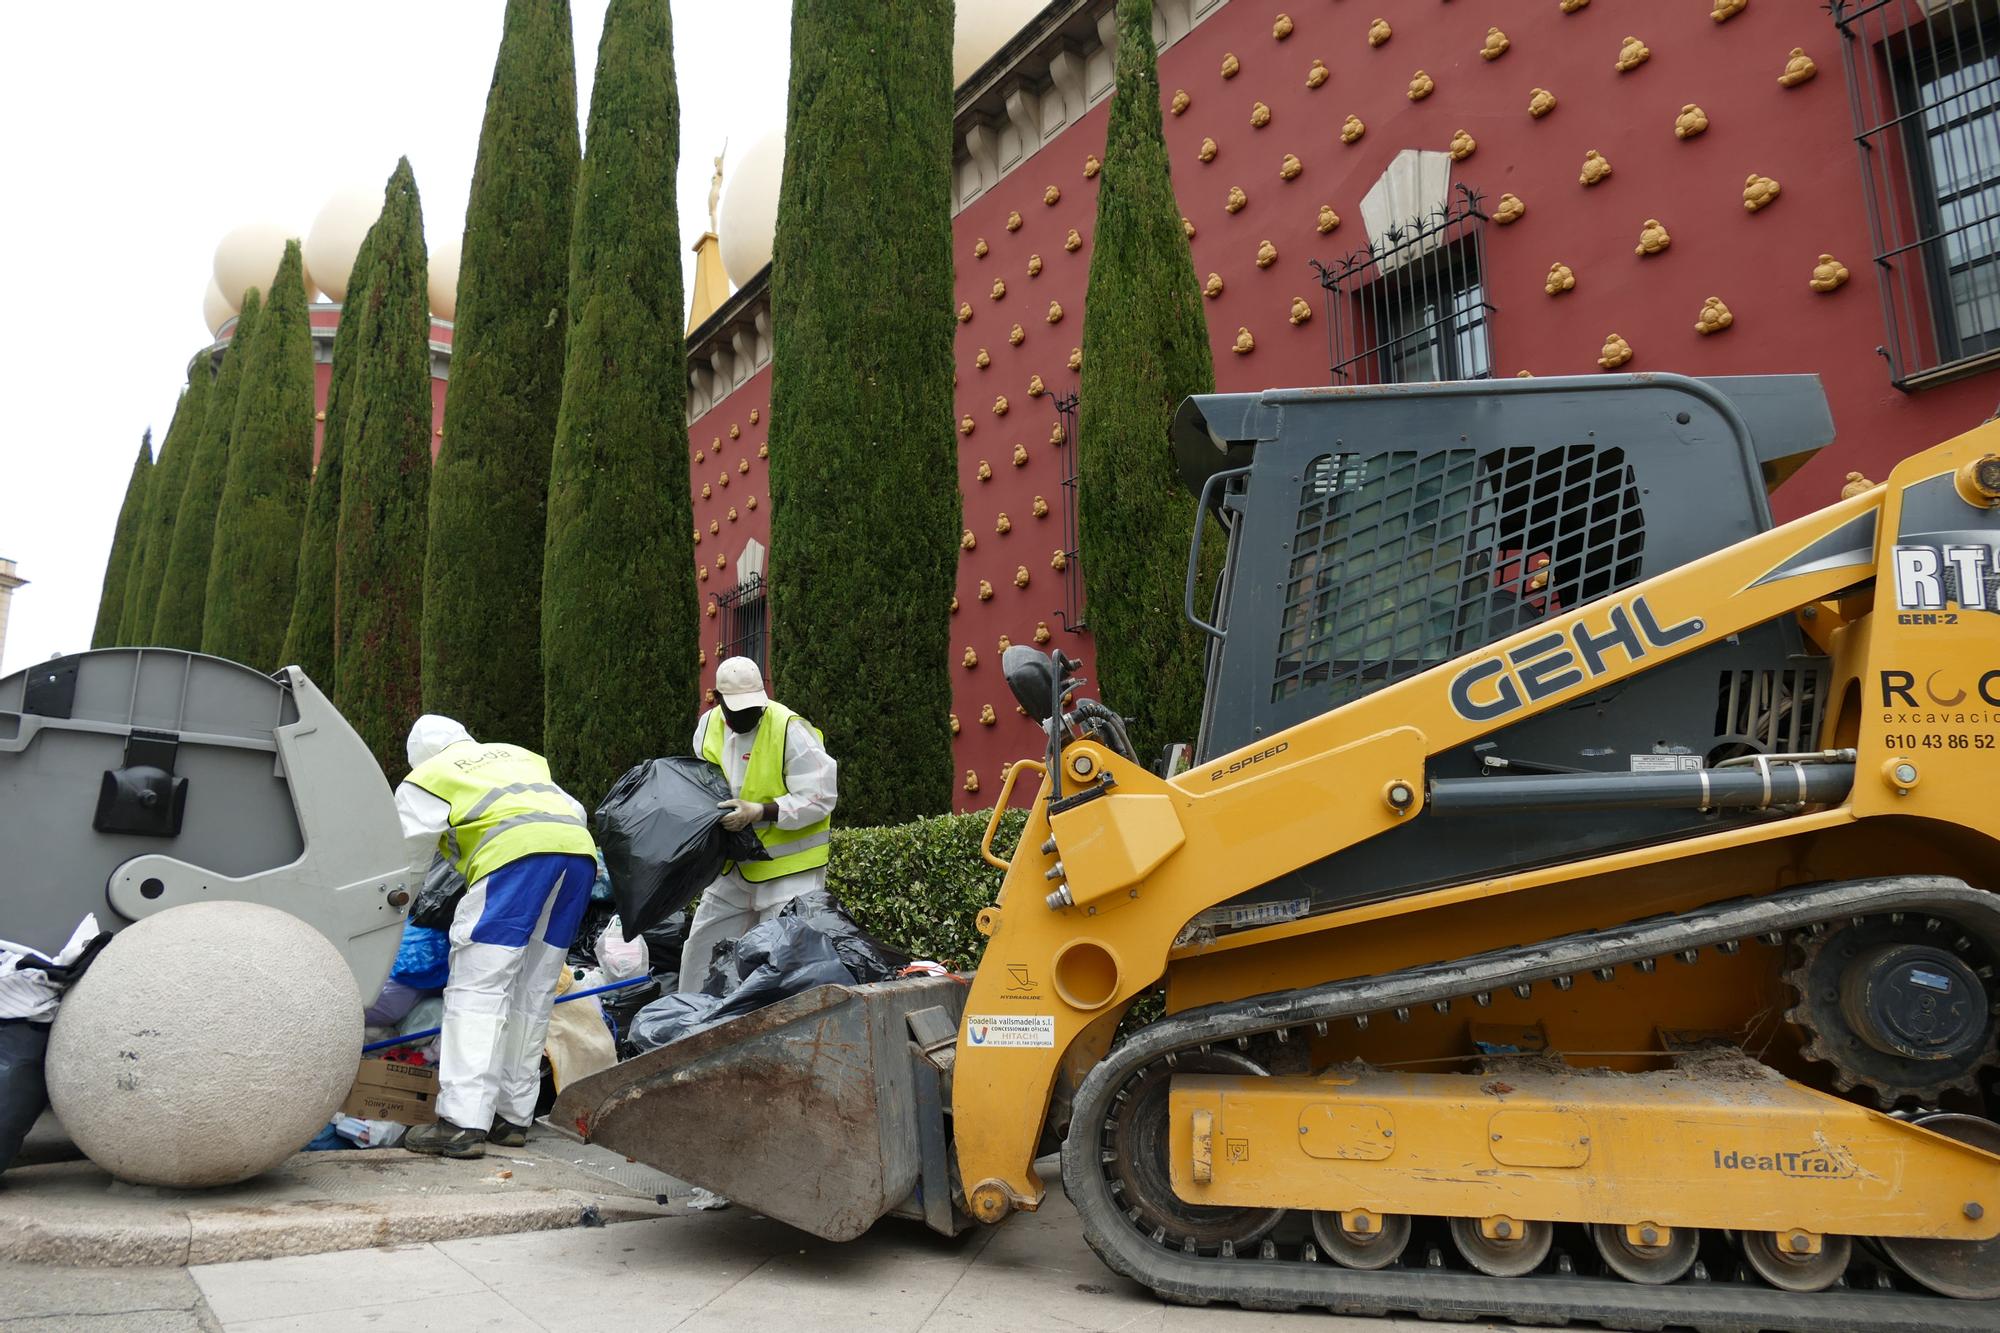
1030 676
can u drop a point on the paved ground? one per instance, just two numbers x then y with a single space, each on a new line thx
690 1272
71 1212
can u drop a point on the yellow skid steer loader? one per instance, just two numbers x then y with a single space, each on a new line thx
1581 904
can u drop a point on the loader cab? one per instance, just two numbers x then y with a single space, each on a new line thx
1369 534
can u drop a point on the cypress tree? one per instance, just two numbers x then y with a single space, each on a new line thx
254 564
124 537
385 483
163 501
126 631
184 583
309 638
620 637
864 481
483 576
1145 348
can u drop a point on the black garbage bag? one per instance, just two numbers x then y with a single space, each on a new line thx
780 958
664 943
866 957
671 1017
437 900
583 949
621 1006
24 1093
722 976
662 838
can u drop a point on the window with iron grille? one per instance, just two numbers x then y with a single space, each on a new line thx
1412 307
747 611
1405 559
1923 78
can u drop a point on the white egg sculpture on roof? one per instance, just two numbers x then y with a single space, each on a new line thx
248 256
215 311
336 235
444 279
747 218
981 29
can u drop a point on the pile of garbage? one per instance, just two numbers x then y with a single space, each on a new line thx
812 942
660 844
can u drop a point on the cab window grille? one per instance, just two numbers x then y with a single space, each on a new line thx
1405 559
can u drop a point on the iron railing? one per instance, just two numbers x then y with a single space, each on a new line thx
1070 614
1413 305
1923 84
749 622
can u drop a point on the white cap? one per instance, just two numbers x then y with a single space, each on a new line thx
430 736
741 684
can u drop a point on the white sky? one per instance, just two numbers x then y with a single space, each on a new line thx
137 133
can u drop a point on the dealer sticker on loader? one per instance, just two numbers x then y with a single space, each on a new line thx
1011 1029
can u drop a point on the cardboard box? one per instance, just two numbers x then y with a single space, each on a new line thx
390 1090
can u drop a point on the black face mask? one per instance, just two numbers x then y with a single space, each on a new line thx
743 721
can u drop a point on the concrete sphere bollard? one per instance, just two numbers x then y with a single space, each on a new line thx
205 1044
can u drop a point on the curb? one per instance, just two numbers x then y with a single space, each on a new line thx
212 1236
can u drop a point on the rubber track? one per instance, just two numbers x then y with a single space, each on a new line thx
1265 1284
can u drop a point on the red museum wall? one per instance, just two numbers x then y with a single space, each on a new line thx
1758 263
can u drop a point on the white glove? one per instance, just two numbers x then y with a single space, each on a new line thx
741 814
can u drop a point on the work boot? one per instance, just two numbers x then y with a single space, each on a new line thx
444 1139
507 1134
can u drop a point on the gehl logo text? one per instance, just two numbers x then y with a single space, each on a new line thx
1553 662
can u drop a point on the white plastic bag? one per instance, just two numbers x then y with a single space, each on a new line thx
368 1133
619 958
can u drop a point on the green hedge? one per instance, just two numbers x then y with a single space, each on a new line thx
919 887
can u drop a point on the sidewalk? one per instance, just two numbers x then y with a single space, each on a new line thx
453 1246
729 1271
73 1213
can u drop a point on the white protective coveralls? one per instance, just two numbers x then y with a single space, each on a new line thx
732 904
509 939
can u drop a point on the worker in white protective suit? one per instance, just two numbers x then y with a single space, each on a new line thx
785 788
524 847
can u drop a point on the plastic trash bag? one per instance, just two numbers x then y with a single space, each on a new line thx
621 1005
671 1017
426 1014
423 959
663 944
24 1094
328 1139
368 1133
618 957
779 958
662 838
867 958
437 900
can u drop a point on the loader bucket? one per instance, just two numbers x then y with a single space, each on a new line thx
822 1110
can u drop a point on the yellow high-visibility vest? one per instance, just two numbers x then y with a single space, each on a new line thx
792 850
503 807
